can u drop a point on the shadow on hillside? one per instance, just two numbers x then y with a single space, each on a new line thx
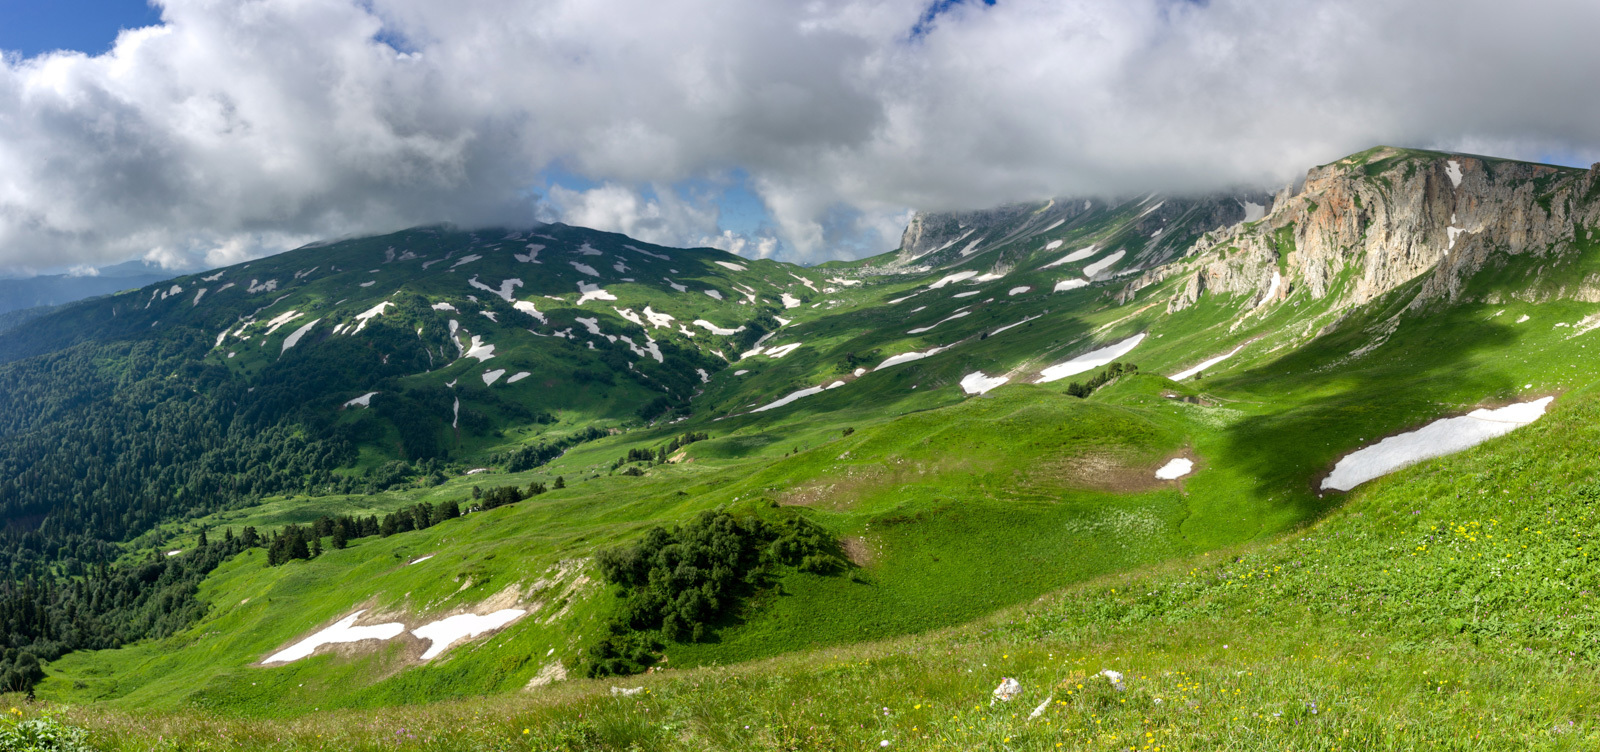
1420 374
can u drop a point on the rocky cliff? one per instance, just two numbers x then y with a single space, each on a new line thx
1369 223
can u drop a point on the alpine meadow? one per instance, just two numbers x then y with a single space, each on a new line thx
703 376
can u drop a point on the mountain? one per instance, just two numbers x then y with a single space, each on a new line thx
1142 411
58 289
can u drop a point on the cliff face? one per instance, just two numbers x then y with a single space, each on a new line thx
1369 223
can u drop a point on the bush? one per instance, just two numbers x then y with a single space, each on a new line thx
40 735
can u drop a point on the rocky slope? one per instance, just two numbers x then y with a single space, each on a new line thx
1367 224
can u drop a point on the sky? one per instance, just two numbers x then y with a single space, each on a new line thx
197 133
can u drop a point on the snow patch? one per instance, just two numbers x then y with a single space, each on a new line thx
732 266
342 631
647 253
714 294
1437 439
592 292
949 278
520 375
479 350
294 339
790 301
370 314
778 352
451 630
910 356
489 377
1180 376
506 286
1018 290
951 317
444 307
657 318
1054 244
585 268
1175 469
1452 170
530 309
807 392
1254 212
714 329
1103 264
364 400
977 383
1089 360
532 256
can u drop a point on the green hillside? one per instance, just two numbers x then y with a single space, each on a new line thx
993 509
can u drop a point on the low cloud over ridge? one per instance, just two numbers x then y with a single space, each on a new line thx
240 128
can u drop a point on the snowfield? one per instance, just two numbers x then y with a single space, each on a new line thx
1180 376
732 266
714 329
592 292
1437 439
1070 284
1089 360
977 383
1103 264
294 339
342 631
807 392
951 317
910 356
950 278
451 630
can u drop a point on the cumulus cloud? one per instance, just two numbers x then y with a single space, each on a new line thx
235 129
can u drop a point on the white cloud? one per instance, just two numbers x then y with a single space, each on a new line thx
242 128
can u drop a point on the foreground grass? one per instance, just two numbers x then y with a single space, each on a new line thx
1450 606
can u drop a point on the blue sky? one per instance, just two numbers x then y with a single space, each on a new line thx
30 27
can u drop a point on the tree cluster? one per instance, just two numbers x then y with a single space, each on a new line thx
678 584
1105 376
659 455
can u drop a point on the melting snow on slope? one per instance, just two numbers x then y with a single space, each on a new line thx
910 356
732 266
479 350
967 294
1253 212
714 294
657 318
518 377
1437 439
504 292
364 400
532 257
1089 360
1078 255
1054 244
294 339
466 260
451 630
1175 469
1103 264
1015 324
807 392
370 314
977 383
530 309
1018 290
951 317
1453 170
592 292
585 268
1207 364
444 307
1070 284
947 279
489 377
778 352
647 253
790 301
588 250
1272 290
280 320
342 631
714 329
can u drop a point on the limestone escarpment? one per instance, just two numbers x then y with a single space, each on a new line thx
1369 223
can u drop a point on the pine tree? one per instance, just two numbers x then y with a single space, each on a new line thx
338 539
561 481
203 542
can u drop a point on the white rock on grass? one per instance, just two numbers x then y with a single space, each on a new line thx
1175 469
451 630
1089 360
1437 439
977 383
1008 690
342 631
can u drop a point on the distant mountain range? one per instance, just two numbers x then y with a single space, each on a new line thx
58 289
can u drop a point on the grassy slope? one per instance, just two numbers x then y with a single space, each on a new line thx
952 543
